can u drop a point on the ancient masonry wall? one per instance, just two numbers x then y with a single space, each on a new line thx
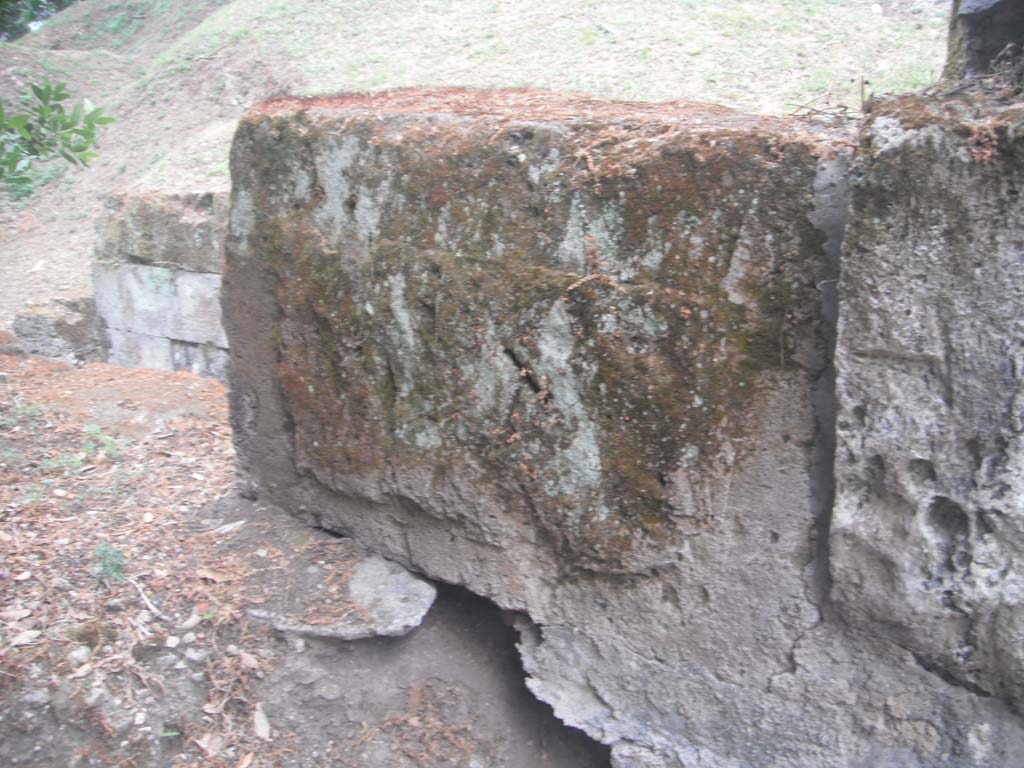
577 357
157 280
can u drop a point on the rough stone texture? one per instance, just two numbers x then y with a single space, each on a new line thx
157 282
183 231
161 318
979 31
568 354
928 528
64 330
381 599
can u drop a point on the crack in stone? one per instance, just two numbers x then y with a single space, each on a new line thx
540 388
947 676
831 209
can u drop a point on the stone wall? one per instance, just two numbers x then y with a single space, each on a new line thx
575 356
157 282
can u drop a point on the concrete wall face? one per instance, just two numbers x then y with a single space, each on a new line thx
157 282
574 356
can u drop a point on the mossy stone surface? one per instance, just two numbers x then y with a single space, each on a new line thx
587 325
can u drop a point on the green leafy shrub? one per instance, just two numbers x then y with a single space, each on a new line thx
45 131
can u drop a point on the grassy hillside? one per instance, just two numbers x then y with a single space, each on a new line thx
763 56
178 73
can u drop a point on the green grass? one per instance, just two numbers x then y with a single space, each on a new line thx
19 414
96 442
764 56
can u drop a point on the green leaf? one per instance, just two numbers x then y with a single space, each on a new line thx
47 129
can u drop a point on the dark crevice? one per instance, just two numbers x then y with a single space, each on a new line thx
488 657
949 678
317 525
563 745
540 388
456 683
831 208
982 31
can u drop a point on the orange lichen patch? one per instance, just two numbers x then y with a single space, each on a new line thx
633 130
960 110
520 104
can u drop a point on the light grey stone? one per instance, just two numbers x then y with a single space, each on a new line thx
78 655
160 318
154 301
394 600
380 599
157 282
928 528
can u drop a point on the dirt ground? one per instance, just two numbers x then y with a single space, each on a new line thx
130 568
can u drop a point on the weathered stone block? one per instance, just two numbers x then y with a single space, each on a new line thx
928 532
172 304
183 231
565 353
157 282
140 350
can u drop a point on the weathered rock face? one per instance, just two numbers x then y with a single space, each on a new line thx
67 330
176 231
979 31
567 353
928 530
157 282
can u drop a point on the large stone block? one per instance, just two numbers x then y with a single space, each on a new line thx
928 533
157 281
567 353
175 231
64 329
171 304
